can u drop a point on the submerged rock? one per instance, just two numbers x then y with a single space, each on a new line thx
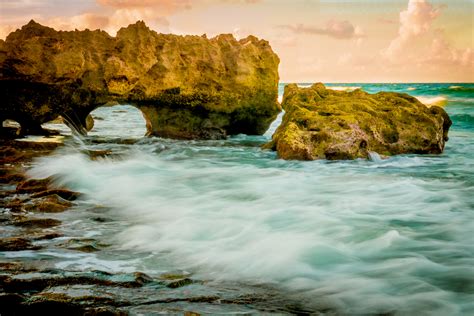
11 178
37 222
37 281
52 203
33 185
186 86
16 244
83 244
63 193
324 124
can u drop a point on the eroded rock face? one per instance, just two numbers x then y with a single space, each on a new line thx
324 124
186 86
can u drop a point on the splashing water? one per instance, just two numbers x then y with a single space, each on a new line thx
359 237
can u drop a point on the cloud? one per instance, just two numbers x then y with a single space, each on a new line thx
110 23
86 20
441 52
418 43
415 21
417 18
19 4
165 5
108 15
334 28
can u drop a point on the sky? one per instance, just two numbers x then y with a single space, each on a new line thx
316 40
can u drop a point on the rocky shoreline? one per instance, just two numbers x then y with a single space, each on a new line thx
31 283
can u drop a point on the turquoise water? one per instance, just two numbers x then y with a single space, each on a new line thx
354 237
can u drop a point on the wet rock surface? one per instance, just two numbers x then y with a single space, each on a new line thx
187 87
16 244
51 203
324 124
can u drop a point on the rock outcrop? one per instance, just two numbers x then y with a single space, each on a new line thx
324 124
186 86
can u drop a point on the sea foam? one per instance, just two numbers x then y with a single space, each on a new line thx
340 232
439 100
356 237
342 88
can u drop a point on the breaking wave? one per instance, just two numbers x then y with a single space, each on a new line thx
439 100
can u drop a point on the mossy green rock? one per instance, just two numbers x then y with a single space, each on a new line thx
186 86
324 124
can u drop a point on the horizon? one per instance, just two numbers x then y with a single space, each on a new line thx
339 41
378 82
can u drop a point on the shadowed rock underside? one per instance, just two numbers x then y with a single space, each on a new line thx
324 124
186 86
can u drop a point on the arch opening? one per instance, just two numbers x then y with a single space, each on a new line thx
118 121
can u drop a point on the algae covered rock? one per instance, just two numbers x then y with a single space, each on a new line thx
186 86
324 124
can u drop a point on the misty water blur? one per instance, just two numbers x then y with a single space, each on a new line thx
363 236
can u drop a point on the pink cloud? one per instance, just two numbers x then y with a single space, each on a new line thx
86 20
415 21
110 15
441 52
166 5
334 28
417 18
417 42
110 23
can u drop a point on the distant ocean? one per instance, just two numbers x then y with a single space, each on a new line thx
354 237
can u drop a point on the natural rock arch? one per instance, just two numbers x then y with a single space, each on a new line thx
186 86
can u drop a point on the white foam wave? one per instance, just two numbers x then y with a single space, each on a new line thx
304 85
342 234
342 88
411 88
462 100
429 101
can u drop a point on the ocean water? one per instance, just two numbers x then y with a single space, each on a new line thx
349 237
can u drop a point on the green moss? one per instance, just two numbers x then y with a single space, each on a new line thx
321 123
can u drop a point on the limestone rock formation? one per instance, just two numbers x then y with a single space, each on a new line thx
186 86
324 124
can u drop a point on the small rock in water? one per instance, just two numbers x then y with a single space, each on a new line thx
174 275
49 204
40 280
63 193
84 245
45 236
15 206
33 185
37 222
16 244
173 284
95 154
10 266
11 178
